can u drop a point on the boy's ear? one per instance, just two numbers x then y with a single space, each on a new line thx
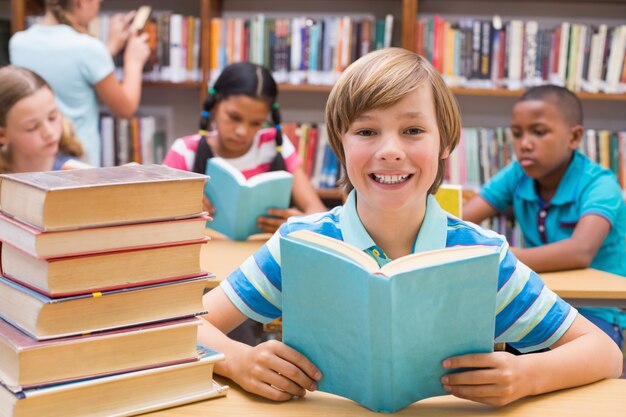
3 138
445 153
577 135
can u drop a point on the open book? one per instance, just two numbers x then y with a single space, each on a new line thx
379 335
238 202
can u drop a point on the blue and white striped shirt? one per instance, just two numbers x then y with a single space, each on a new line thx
529 316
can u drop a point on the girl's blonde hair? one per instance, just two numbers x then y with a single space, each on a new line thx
17 83
379 80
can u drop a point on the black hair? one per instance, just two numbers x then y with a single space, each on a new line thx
242 78
568 104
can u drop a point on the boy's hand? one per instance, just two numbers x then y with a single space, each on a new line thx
279 216
275 371
500 379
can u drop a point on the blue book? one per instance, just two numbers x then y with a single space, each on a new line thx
379 335
238 202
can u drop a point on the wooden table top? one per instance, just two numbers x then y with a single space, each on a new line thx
605 398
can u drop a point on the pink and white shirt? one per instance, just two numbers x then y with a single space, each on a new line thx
256 161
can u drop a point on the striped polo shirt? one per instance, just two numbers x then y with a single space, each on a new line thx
529 316
256 161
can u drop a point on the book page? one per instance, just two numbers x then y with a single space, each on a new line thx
267 176
435 257
339 247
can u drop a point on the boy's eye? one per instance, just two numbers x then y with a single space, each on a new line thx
413 131
366 132
540 132
516 133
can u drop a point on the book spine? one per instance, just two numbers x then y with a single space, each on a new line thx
381 309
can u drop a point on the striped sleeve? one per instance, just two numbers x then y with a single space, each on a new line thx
255 287
529 316
182 154
292 160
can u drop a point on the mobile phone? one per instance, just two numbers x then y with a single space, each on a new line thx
141 18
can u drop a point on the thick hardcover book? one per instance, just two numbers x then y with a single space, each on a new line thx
61 200
26 362
43 317
99 239
239 202
124 394
71 275
379 335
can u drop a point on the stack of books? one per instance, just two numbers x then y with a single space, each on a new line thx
100 288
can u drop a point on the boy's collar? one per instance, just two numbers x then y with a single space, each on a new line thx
565 191
432 234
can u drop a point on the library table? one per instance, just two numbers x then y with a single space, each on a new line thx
588 287
581 287
604 398
221 256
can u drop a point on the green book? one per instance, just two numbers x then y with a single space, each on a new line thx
379 335
239 201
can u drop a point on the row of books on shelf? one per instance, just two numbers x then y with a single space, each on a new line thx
482 152
300 49
319 161
517 54
141 139
174 41
98 296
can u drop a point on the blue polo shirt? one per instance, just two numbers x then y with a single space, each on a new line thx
586 188
529 316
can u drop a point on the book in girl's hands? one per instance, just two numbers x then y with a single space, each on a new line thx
27 363
43 317
71 275
73 199
124 394
379 335
239 202
45 245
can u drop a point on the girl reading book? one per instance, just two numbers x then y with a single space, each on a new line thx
34 136
80 68
236 110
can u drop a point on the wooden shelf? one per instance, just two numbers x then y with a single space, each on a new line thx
305 88
182 85
459 91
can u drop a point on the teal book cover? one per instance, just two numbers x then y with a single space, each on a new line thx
379 336
238 202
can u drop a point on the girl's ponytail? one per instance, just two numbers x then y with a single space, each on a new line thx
278 164
204 153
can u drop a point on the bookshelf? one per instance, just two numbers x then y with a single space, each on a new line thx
22 8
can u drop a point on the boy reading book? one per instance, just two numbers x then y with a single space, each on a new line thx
392 123
569 209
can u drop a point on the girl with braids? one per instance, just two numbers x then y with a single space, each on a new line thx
80 68
236 108
34 136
